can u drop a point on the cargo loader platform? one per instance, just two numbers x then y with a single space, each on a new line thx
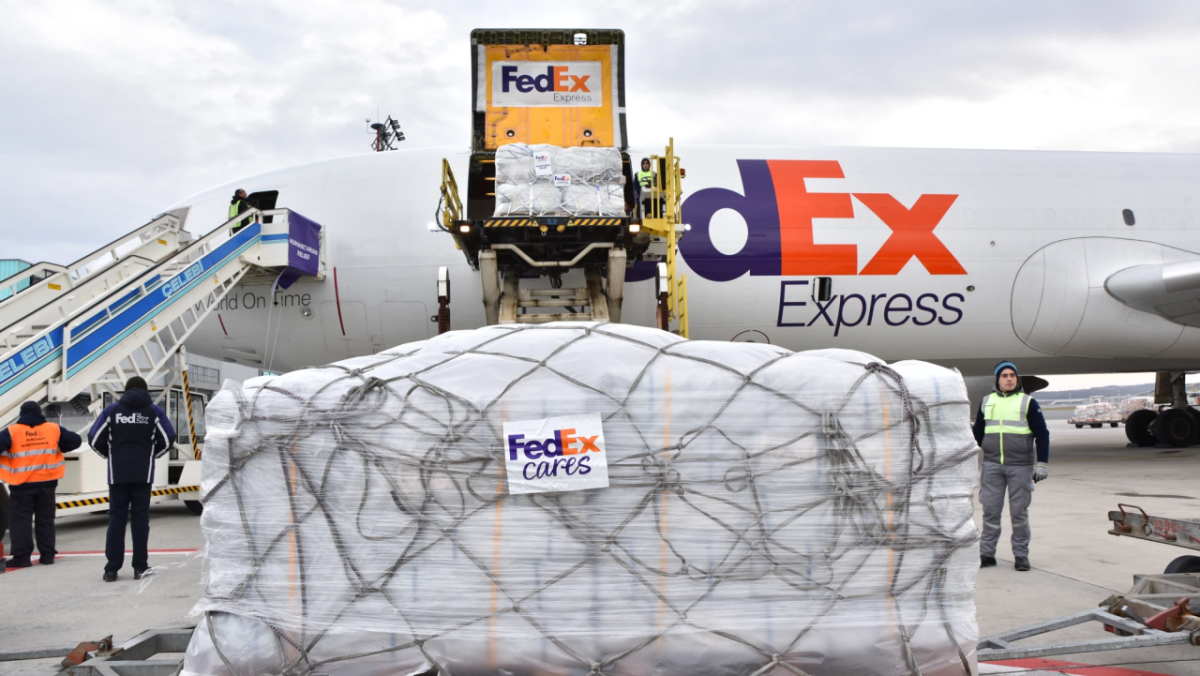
551 188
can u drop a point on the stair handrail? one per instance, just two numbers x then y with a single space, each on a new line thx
66 321
666 220
452 206
169 220
16 277
190 248
121 284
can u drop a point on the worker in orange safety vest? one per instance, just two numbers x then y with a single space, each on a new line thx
31 463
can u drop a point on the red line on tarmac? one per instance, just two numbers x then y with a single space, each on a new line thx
1077 668
95 552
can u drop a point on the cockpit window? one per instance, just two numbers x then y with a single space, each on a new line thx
1127 214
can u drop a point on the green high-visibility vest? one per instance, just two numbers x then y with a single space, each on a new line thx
645 179
236 208
1006 429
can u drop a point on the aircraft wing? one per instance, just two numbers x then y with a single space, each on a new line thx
1169 290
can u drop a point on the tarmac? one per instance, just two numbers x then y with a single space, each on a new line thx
1076 563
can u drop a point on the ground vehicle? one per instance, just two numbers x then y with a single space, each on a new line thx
1156 611
1096 414
84 487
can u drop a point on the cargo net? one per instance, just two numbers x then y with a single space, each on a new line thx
546 180
768 512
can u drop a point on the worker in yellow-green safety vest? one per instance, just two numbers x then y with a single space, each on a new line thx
239 204
645 183
1012 432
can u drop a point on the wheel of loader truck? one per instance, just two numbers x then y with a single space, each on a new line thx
196 506
1175 427
1139 427
1115 424
1183 564
1078 426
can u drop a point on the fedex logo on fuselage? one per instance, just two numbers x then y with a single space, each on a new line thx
779 211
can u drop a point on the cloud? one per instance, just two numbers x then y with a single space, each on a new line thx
115 109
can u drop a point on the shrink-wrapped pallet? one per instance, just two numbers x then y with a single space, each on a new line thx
605 199
546 180
763 512
1135 404
536 198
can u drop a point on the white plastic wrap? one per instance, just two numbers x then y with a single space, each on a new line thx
1100 411
596 186
1134 404
767 512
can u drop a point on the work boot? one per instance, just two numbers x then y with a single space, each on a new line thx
47 561
1022 563
139 574
986 561
13 563
110 577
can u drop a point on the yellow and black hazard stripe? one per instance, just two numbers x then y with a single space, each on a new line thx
68 504
595 221
510 223
533 223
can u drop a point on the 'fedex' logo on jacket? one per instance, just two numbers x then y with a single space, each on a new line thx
779 210
132 419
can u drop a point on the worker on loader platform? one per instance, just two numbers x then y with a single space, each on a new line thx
645 183
239 204
31 463
1008 427
131 434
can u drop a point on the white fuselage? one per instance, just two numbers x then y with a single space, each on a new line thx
958 257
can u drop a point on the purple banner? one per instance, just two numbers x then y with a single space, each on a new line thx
304 249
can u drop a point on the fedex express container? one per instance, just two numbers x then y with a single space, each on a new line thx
563 87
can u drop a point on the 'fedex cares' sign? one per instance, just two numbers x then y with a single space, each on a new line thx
565 453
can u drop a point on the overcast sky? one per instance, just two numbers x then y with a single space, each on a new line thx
111 110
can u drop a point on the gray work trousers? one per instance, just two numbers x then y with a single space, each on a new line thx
1018 481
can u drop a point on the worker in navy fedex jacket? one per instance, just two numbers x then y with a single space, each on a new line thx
131 434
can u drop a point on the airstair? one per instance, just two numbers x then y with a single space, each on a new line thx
127 308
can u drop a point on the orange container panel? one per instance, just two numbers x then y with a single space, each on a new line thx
565 95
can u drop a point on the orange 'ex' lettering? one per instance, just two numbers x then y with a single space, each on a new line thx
568 443
912 229
912 234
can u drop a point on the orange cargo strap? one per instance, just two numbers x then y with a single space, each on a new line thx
34 455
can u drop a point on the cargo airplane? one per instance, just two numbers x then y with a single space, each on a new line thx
1066 262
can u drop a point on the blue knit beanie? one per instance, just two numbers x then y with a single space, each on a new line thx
1005 365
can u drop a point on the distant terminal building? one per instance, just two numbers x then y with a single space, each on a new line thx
8 268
